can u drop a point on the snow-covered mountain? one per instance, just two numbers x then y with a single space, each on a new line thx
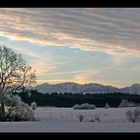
134 89
75 88
98 88
91 88
59 88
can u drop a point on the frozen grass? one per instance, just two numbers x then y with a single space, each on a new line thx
71 115
66 120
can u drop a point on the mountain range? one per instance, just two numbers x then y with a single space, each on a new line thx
91 88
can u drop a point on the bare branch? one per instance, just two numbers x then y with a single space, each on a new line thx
14 72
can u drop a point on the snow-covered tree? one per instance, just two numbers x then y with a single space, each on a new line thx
33 105
92 106
29 94
106 106
15 74
123 103
84 106
7 100
134 115
19 111
15 101
76 106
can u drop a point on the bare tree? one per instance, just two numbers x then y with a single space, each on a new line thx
15 74
133 116
80 117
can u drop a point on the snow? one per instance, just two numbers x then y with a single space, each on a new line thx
69 87
66 120
74 88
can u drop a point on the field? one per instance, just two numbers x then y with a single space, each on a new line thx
70 120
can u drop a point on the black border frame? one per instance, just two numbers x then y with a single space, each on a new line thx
69 4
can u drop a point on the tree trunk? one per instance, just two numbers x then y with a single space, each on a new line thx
2 111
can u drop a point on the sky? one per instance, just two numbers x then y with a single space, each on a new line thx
81 45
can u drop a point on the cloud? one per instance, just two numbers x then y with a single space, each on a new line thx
115 83
25 51
45 68
110 30
79 76
71 72
42 67
54 81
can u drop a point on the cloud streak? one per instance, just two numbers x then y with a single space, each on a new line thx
114 31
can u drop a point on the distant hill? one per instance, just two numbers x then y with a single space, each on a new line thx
134 89
91 88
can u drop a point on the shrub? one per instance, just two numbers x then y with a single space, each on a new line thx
7 100
19 111
33 105
92 106
76 106
81 117
84 106
106 106
15 101
134 115
123 103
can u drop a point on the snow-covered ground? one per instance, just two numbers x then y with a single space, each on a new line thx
67 120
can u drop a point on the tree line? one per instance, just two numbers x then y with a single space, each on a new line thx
69 99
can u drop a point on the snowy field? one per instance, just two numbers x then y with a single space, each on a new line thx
68 120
